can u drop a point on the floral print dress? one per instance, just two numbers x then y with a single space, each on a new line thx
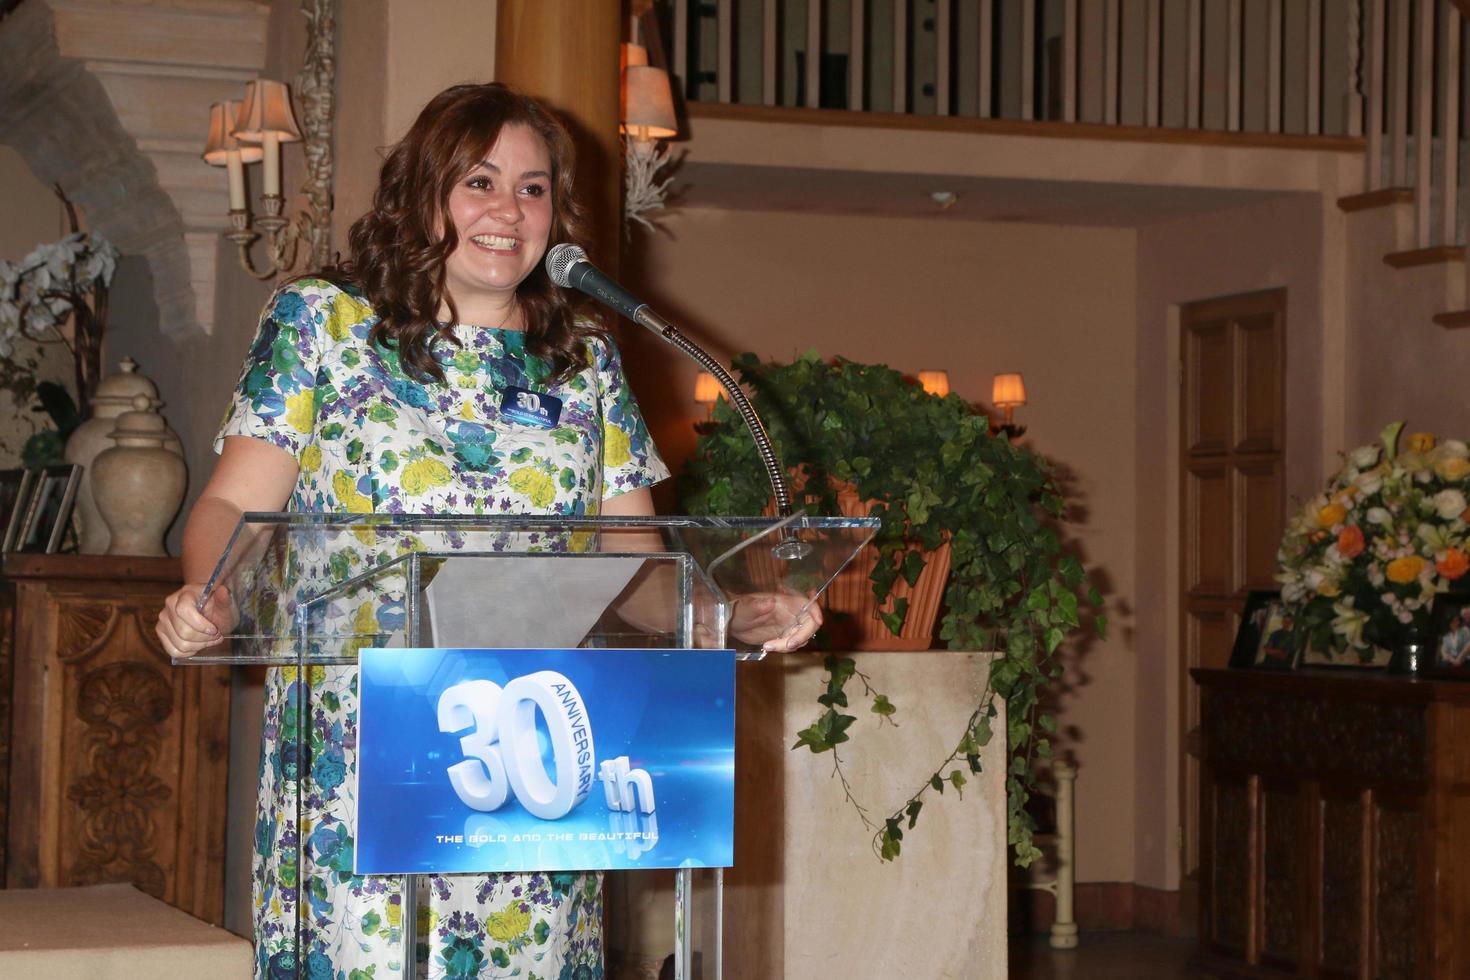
368 438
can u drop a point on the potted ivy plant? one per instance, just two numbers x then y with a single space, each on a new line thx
932 472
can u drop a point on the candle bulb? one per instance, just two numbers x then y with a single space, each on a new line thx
236 168
272 149
266 119
223 150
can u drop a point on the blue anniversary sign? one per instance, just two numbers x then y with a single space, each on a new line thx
544 760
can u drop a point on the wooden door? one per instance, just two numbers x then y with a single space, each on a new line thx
1232 498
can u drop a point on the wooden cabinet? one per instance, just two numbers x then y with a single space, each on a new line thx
112 760
1335 825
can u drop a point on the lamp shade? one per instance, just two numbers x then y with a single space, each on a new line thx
707 390
1008 391
935 382
267 109
632 54
648 103
222 119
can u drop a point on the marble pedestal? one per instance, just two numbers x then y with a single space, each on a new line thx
808 898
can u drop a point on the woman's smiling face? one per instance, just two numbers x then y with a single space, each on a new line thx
502 214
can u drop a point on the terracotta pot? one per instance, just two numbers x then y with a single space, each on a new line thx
849 599
848 604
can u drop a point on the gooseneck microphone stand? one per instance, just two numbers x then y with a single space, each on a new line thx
567 266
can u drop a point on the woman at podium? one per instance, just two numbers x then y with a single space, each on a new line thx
438 372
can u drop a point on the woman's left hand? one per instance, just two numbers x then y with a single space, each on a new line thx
775 620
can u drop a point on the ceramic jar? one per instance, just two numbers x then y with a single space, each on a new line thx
115 395
138 484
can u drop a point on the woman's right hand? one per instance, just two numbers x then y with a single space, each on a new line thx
185 629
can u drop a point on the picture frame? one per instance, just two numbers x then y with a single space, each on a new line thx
1265 639
1449 653
1246 652
15 494
48 512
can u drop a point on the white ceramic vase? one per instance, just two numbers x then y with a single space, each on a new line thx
138 484
115 395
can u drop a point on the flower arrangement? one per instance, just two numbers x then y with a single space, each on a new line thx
65 279
1362 562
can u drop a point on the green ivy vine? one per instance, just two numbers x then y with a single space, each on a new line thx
934 468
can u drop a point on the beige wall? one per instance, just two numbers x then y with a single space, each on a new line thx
395 55
1054 303
32 216
1279 243
1403 365
32 213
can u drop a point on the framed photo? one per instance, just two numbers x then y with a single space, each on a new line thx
1261 609
48 514
1276 644
1450 654
15 493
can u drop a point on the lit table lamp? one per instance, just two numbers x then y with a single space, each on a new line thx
1008 393
935 382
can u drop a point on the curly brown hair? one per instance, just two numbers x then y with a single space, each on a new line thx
397 250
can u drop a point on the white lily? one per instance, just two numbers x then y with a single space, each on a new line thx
1348 623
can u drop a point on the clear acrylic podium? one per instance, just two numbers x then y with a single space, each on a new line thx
299 585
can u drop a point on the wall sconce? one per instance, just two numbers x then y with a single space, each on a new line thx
935 382
1008 392
647 116
254 132
707 391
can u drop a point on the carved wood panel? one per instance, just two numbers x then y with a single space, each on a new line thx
1231 894
1340 922
1364 740
125 754
1400 830
1281 871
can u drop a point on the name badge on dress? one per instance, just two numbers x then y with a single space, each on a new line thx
530 407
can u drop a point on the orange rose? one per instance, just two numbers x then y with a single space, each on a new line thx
1331 515
1405 570
1421 442
1454 564
1350 541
